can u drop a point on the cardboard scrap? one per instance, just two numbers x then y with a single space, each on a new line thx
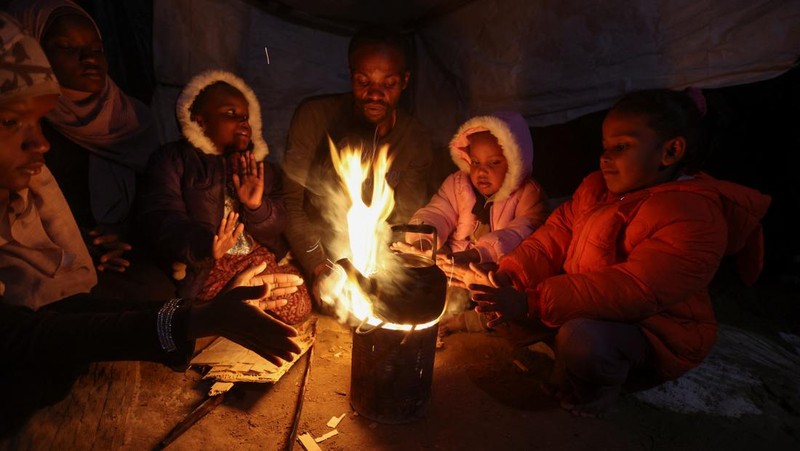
231 362
334 421
219 388
326 436
308 442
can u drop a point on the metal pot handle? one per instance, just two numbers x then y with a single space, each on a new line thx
420 228
361 331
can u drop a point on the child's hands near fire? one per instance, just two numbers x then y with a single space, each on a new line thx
499 300
230 315
406 248
248 180
464 275
227 234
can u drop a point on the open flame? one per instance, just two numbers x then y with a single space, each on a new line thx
364 220
367 236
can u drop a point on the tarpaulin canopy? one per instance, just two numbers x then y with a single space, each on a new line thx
551 60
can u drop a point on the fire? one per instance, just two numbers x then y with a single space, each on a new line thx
367 235
364 220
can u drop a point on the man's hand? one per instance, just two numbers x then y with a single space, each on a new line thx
111 249
248 180
499 299
227 234
230 315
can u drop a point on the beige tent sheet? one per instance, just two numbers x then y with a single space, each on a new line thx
551 60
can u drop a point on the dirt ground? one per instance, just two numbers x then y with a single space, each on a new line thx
480 399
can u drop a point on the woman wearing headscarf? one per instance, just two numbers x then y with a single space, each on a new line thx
100 137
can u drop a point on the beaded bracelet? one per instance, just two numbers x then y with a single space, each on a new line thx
164 324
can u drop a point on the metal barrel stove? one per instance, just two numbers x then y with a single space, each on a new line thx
392 370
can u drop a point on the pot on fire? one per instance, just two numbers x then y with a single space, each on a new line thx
419 298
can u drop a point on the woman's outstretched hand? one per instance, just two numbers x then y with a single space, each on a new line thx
231 315
279 285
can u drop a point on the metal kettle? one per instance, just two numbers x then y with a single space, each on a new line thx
420 298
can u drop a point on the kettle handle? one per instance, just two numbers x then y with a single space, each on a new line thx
420 228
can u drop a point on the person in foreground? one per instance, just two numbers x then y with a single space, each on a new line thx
50 328
620 272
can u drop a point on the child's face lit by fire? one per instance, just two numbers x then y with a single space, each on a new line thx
488 165
22 145
224 118
634 156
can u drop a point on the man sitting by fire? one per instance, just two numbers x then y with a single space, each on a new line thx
366 118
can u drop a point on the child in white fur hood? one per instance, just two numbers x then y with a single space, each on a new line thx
209 202
491 204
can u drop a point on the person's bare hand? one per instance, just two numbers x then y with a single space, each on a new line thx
227 234
230 315
322 272
405 248
248 180
111 249
499 300
463 275
279 285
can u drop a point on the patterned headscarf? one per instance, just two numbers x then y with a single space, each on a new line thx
24 70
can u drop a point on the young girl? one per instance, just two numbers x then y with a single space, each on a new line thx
491 204
197 190
621 271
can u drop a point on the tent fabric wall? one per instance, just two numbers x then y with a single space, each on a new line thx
551 60
194 35
556 60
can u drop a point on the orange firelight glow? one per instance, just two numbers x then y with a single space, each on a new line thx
367 235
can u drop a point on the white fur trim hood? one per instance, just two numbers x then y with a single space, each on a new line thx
514 136
192 130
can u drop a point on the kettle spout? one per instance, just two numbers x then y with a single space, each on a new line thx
368 286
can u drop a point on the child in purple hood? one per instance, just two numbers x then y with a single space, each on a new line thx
486 208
